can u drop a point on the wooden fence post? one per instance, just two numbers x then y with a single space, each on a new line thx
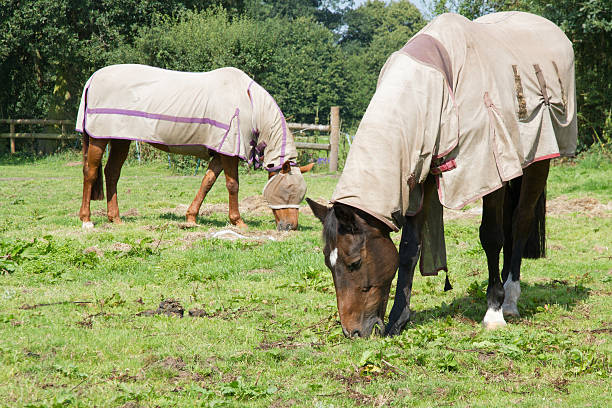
12 131
334 138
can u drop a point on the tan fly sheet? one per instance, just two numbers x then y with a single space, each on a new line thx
470 102
193 113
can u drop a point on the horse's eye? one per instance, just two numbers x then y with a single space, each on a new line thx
366 288
355 265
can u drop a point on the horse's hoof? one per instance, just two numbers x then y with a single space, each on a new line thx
493 319
87 225
241 225
510 311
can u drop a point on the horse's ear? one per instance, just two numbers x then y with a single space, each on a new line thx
345 216
306 168
286 167
319 210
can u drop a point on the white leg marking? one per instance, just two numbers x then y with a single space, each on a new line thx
333 257
87 225
493 319
512 291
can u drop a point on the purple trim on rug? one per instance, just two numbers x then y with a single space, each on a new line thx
238 123
214 149
228 128
156 116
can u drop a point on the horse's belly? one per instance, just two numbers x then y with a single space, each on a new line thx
188 150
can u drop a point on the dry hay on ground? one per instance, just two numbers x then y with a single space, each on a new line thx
587 206
558 206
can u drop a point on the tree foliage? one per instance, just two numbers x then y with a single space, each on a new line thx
309 54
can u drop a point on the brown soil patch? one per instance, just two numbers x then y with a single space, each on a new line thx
120 247
94 249
587 206
74 163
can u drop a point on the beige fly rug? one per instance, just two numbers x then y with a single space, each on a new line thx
470 102
192 113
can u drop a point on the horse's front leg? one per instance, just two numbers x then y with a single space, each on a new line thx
119 150
492 240
409 251
214 169
522 224
230 167
93 149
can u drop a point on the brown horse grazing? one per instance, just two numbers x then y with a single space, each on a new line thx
458 114
222 115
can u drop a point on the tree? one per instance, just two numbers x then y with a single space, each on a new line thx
375 30
54 45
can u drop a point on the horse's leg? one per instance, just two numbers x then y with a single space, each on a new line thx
119 150
230 167
532 187
92 160
409 251
492 239
214 169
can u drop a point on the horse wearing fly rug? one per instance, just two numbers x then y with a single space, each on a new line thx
222 115
466 109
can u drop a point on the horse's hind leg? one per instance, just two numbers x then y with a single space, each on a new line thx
118 153
92 160
214 169
230 167
531 189
492 239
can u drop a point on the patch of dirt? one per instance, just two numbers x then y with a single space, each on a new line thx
173 363
587 206
224 314
120 247
169 307
124 376
94 249
233 233
101 212
74 163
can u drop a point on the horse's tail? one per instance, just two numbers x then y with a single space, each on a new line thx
536 242
97 189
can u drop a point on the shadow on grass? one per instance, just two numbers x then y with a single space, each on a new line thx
204 221
533 298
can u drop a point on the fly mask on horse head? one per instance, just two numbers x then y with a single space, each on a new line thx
465 110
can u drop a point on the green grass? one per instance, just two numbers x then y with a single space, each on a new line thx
270 335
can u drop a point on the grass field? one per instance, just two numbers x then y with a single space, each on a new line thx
266 331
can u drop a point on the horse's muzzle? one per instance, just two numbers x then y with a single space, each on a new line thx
285 226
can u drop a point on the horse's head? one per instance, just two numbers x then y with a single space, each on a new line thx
363 260
284 191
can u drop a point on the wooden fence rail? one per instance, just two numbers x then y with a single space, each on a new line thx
332 147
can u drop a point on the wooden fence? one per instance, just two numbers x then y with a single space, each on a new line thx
332 147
